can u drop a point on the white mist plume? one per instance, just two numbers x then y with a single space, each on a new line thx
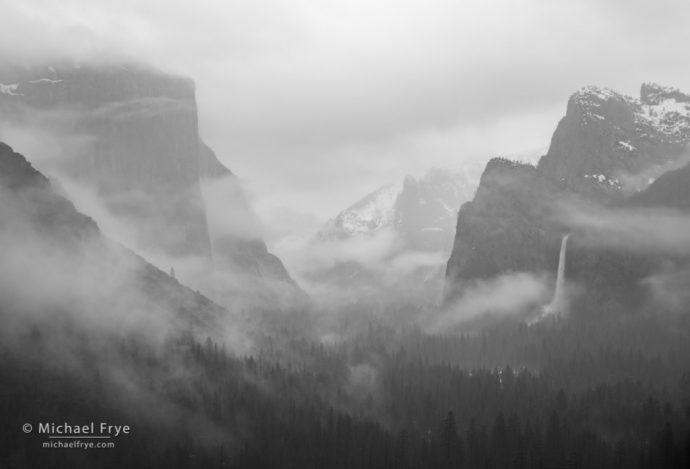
504 296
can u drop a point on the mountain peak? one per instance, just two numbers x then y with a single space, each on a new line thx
606 135
655 94
596 104
601 93
421 209
368 215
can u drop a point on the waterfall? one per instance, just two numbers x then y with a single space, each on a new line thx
558 302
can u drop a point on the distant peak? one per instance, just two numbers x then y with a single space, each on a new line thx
653 93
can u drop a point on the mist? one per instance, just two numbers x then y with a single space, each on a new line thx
646 230
519 295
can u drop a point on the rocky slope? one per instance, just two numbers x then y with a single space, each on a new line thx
130 134
604 160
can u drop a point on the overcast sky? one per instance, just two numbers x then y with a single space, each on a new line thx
315 103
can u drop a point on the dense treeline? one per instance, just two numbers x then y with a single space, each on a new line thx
383 398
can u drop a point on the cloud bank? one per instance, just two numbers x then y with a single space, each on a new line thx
335 97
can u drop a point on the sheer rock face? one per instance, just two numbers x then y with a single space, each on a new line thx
607 150
133 137
502 228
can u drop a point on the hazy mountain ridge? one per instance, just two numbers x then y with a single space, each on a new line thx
591 185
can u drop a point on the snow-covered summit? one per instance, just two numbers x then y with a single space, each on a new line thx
666 110
660 110
422 211
369 215
592 96
613 143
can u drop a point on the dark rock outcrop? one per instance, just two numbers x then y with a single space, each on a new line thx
505 227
